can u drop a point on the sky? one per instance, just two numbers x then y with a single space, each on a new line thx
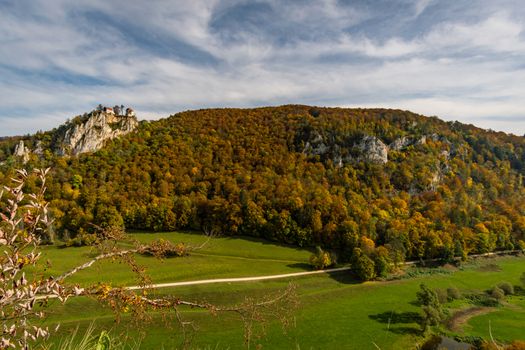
456 59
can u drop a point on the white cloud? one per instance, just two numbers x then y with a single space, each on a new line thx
457 70
498 33
420 6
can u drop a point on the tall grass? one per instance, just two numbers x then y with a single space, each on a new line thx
92 341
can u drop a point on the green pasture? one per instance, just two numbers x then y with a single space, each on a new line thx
220 257
335 311
506 323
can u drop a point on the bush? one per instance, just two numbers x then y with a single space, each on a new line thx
82 239
320 259
162 248
506 287
382 262
484 299
497 293
453 293
363 266
442 295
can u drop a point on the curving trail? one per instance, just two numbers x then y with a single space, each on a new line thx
462 317
237 279
220 280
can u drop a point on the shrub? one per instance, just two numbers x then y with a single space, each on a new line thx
506 287
320 259
162 248
382 262
497 293
453 293
363 266
442 295
483 299
82 239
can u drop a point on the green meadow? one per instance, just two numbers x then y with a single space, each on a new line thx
336 312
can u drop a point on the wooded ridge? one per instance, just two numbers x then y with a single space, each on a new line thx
340 178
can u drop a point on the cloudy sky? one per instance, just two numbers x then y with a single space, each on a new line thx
457 59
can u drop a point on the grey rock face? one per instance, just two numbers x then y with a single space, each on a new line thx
400 143
92 134
422 140
373 150
370 149
316 146
39 150
22 151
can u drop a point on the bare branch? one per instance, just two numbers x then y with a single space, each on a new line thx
94 260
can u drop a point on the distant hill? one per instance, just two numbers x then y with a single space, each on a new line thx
303 175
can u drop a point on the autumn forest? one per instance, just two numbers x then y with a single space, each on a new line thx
298 175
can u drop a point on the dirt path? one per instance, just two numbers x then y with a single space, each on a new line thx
461 317
239 279
224 280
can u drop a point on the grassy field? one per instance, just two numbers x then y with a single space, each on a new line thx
506 323
221 257
335 311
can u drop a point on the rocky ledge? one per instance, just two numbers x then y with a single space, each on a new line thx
90 133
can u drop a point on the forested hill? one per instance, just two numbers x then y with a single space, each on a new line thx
303 175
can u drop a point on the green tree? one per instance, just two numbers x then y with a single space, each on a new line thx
76 181
320 259
363 266
431 307
382 261
108 216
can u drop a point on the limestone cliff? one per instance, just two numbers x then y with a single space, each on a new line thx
90 133
373 150
22 151
367 149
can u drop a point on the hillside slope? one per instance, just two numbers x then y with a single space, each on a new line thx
304 175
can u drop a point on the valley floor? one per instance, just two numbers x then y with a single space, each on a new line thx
336 312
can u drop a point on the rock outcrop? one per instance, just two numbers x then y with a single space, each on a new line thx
89 134
22 151
400 143
316 145
373 150
367 149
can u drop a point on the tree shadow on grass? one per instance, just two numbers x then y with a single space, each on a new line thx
302 266
519 290
344 277
395 318
406 330
266 241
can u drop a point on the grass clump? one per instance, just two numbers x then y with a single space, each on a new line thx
453 293
506 287
497 293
